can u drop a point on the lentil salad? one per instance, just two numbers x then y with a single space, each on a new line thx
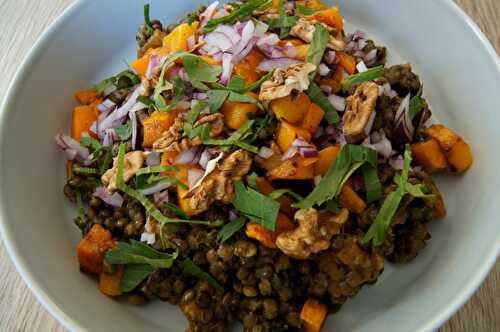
256 163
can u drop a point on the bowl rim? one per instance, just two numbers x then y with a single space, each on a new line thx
70 323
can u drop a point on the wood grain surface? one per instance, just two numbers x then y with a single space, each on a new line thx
22 21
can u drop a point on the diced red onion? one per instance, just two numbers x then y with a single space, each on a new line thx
95 126
160 197
289 5
337 102
308 152
403 120
323 69
302 147
155 189
187 156
217 41
208 13
361 44
361 67
154 61
204 158
230 32
265 152
221 13
108 138
326 88
260 28
200 96
281 63
237 58
114 199
227 68
149 238
153 159
379 142
292 151
371 56
369 124
191 42
330 57
233 215
106 105
72 148
193 176
133 124
246 35
397 162
360 54
388 91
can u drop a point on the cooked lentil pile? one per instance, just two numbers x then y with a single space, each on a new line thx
256 163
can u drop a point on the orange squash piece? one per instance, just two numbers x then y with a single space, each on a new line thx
347 61
141 65
316 4
312 118
335 80
83 118
287 133
292 109
69 169
92 248
211 61
330 17
429 155
236 114
248 67
313 314
156 124
293 169
445 136
87 97
326 157
182 175
460 156
177 39
301 49
349 199
109 284
266 236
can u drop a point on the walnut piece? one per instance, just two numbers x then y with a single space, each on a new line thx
313 234
133 162
283 82
305 27
359 110
172 140
219 185
349 266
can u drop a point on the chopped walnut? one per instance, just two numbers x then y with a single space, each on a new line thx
360 107
219 185
305 27
283 82
313 234
155 41
349 266
133 162
172 140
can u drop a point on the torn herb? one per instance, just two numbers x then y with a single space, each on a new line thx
318 45
237 138
416 104
147 20
85 170
230 229
136 252
177 210
190 267
124 131
280 192
317 96
156 169
305 11
369 75
216 99
372 183
134 275
199 70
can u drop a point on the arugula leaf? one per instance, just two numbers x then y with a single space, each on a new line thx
89 142
283 22
190 267
191 117
372 183
305 11
239 98
237 84
156 169
106 161
177 210
338 173
261 124
418 190
252 181
317 96
216 99
230 229
378 229
332 206
179 91
416 104
146 101
85 170
318 45
162 84
280 192
134 275
256 206
139 253
235 139
369 75
147 20
104 84
192 18
123 131
199 70
80 206
257 84
238 13
125 79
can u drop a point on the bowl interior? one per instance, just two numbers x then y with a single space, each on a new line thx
461 74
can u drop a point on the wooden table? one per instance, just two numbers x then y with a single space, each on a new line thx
21 24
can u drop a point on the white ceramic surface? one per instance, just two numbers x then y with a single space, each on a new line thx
461 75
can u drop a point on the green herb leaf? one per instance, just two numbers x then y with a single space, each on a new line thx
199 70
283 21
146 101
230 229
89 142
190 267
369 75
191 117
236 84
139 253
162 84
418 190
257 84
179 92
147 20
238 13
333 206
236 139
256 206
252 181
350 158
317 96
177 210
134 275
104 84
378 229
216 99
80 206
106 160
305 11
123 131
318 45
85 170
280 192
192 18
416 104
239 98
156 169
372 184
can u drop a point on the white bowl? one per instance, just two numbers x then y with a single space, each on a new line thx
461 75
